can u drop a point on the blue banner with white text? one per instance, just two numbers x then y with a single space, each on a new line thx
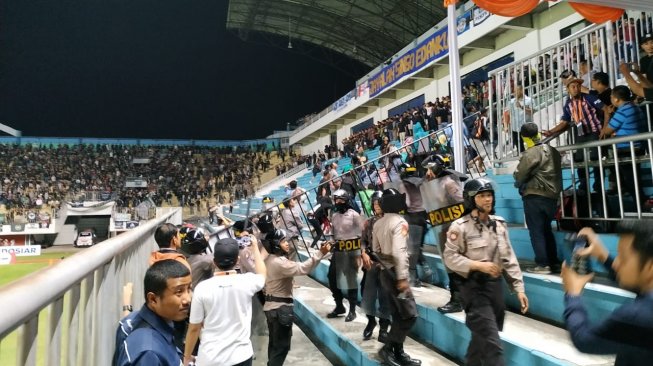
426 51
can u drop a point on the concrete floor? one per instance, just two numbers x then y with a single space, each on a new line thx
302 351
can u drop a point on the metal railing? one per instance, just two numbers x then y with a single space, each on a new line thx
615 170
382 172
278 179
596 48
79 299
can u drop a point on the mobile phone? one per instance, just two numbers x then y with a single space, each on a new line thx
580 265
244 241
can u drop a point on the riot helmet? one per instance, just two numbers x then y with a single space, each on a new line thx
273 240
437 163
242 225
474 187
407 171
183 231
265 223
194 242
267 202
341 195
392 201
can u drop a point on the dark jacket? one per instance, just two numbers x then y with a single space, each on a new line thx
539 172
627 332
144 338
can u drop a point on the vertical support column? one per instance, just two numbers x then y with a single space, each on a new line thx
26 343
73 325
54 333
456 91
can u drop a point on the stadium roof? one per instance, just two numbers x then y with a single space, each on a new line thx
368 31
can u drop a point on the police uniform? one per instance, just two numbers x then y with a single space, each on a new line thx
343 271
469 240
389 236
453 193
370 284
416 218
279 302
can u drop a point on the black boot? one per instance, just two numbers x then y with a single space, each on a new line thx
352 312
369 328
403 358
383 330
339 310
453 306
387 354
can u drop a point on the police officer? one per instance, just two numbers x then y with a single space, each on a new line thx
479 251
416 218
278 292
370 284
389 237
449 190
343 272
196 249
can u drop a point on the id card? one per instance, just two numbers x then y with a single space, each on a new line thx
579 127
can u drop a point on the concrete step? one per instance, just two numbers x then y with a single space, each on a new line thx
313 301
526 341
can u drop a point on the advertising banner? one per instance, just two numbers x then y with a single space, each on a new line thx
426 51
22 250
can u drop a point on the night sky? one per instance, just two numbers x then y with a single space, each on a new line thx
152 69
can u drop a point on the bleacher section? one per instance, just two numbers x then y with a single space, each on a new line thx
535 339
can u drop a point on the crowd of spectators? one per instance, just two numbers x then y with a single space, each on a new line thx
33 177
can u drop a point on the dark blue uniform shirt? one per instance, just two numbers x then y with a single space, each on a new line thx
144 338
628 332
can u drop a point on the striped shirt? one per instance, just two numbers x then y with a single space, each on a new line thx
627 120
586 111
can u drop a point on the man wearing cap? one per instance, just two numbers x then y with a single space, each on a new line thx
539 180
585 115
222 309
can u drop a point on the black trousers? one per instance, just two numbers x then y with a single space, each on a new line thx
352 294
247 362
280 328
485 311
404 311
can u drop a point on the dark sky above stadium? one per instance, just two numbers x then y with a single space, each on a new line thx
152 69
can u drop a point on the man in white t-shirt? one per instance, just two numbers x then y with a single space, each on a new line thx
222 309
521 111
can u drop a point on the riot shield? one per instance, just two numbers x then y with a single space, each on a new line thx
441 207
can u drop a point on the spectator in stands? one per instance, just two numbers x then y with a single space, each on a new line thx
601 87
222 309
642 88
146 337
521 111
646 61
628 332
583 114
538 177
627 120
168 239
296 191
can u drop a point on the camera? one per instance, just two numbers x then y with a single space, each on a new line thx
580 265
244 241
